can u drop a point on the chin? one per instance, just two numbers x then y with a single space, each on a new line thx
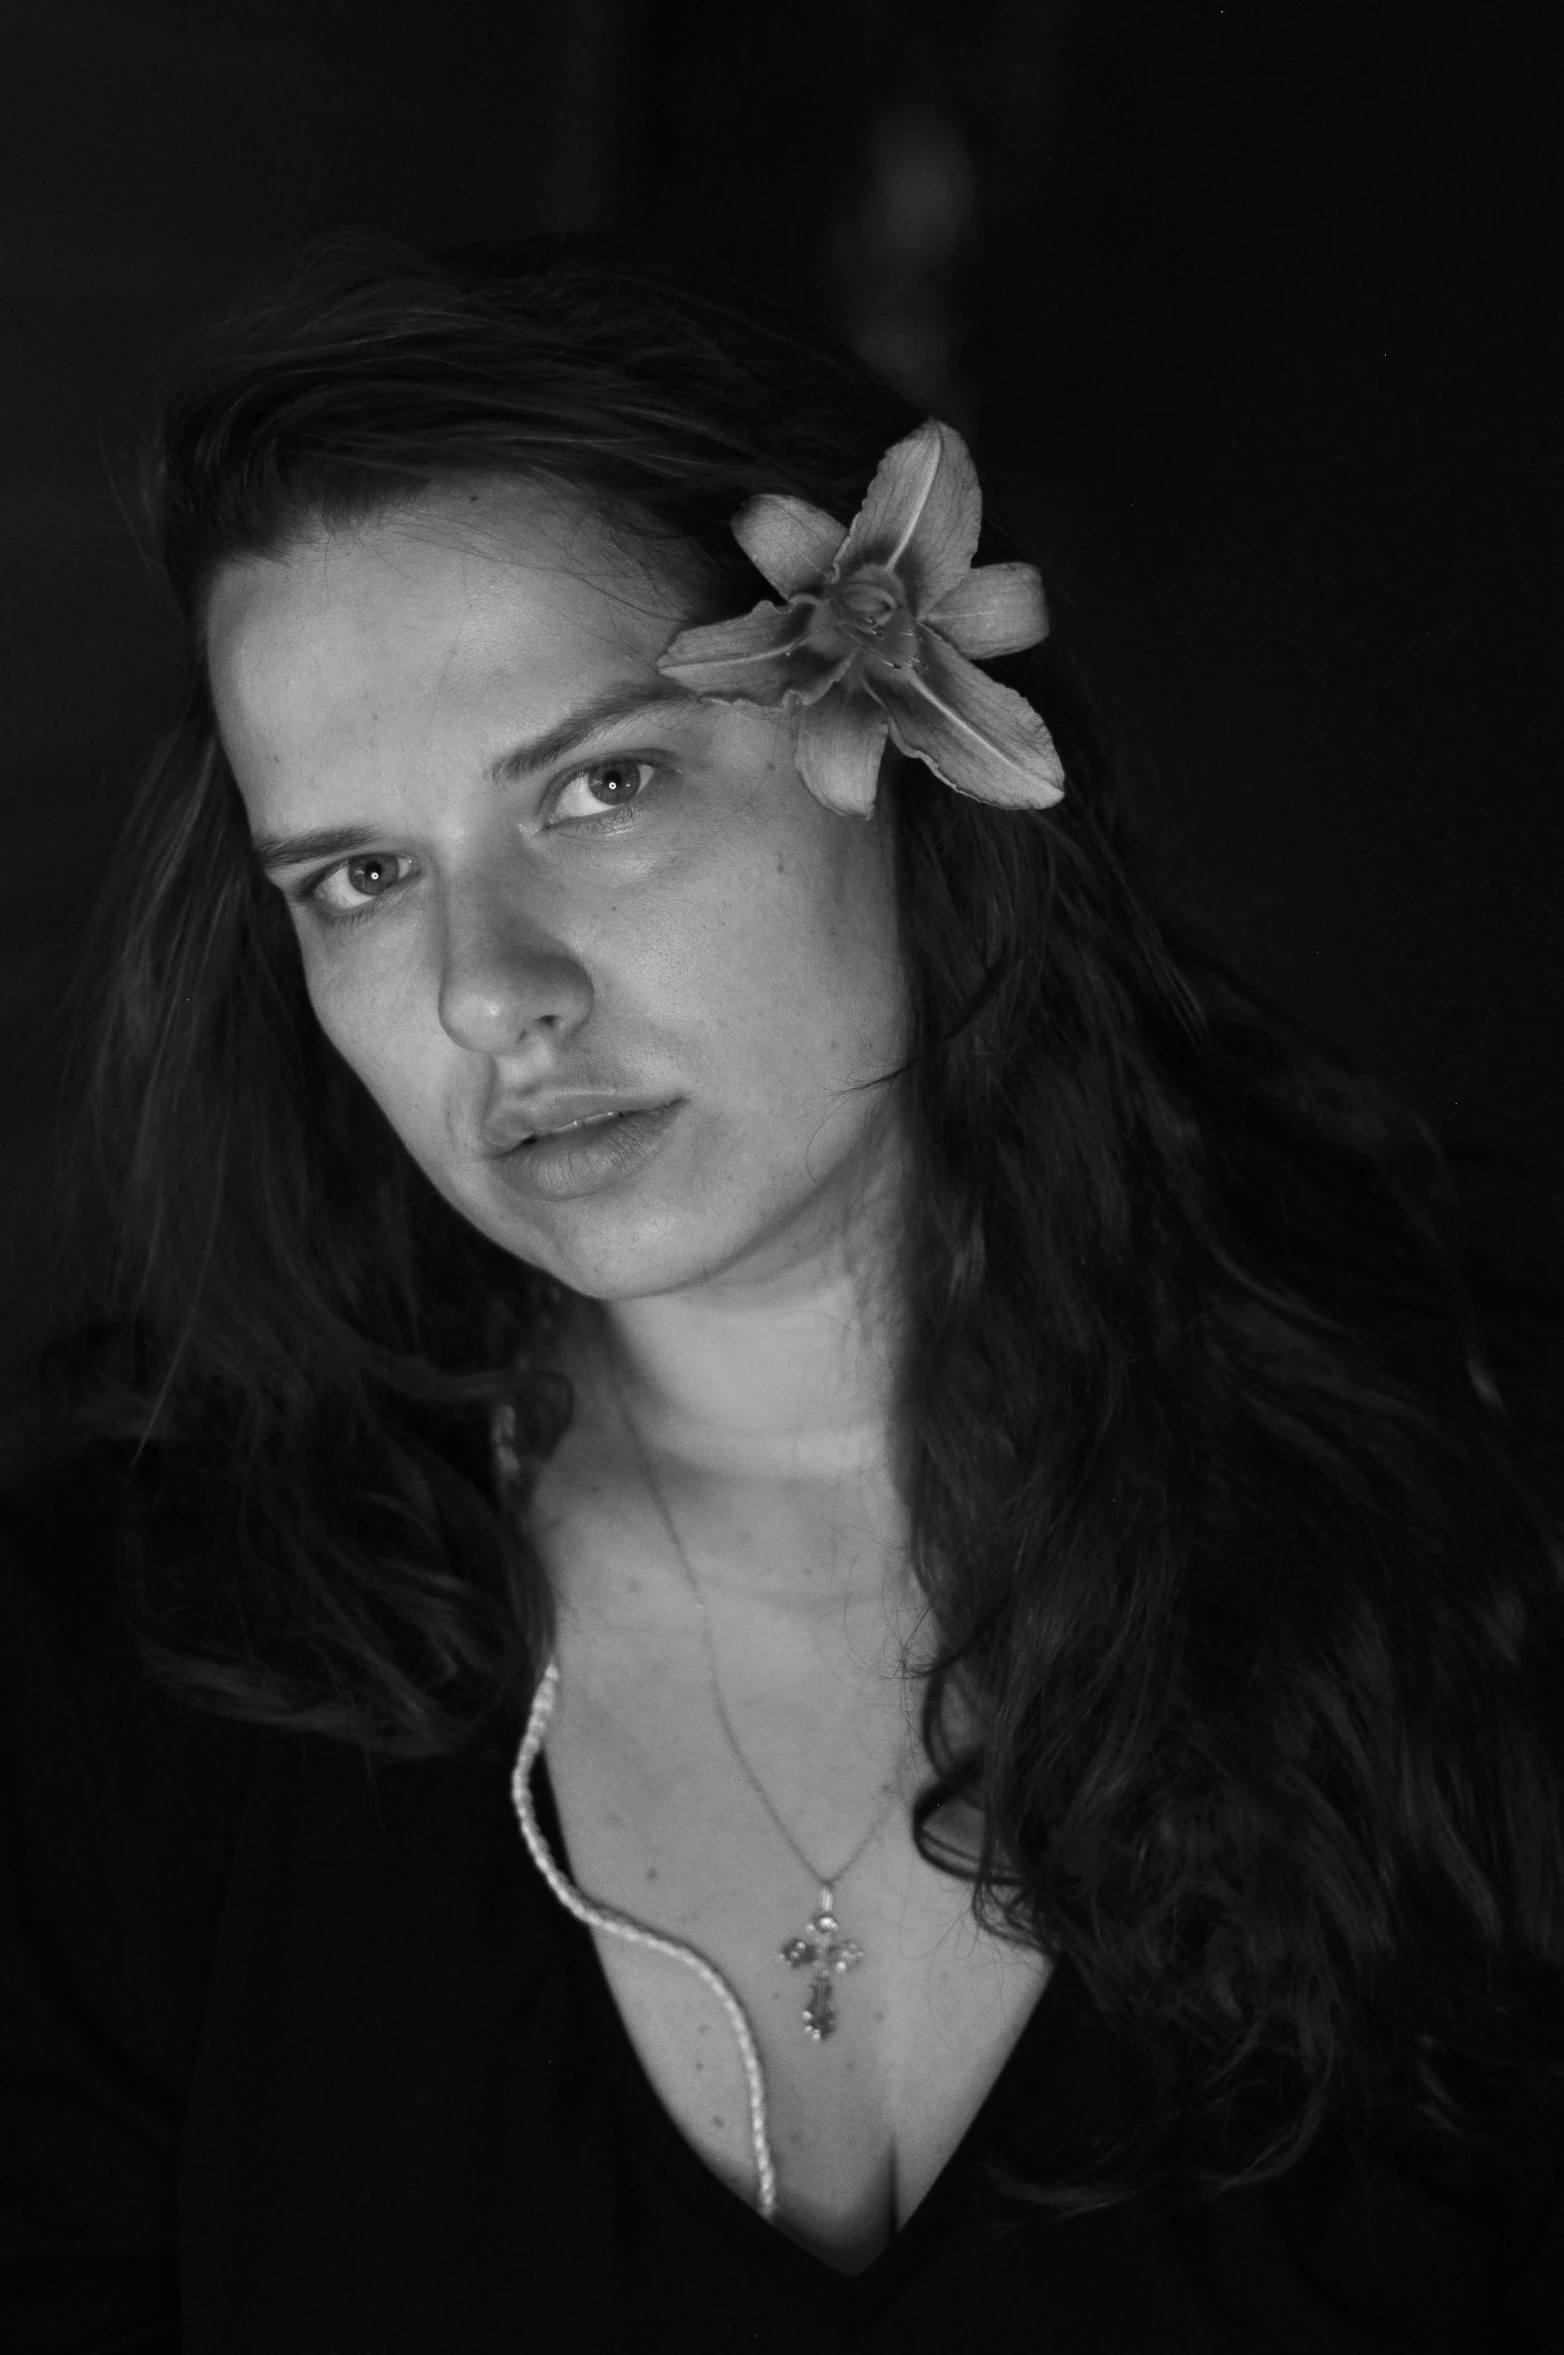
672 1220
610 1247
625 1266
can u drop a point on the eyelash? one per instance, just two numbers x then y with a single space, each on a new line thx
310 895
615 810
614 819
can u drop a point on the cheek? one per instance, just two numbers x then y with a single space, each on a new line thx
802 972
370 1012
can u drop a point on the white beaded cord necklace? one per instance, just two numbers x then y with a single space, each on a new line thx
623 1925
608 1918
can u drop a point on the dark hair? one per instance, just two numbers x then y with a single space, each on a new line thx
1224 1490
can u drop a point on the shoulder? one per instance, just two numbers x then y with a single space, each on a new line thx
61 1558
63 1590
1459 2237
66 1650
120 1811
115 1795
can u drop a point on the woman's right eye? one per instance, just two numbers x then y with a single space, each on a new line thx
612 785
354 888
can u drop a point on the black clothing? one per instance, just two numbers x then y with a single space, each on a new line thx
297 2060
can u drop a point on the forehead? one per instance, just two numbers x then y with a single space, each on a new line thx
471 602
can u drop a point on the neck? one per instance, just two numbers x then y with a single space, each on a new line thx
782 1367
766 1401
796 1388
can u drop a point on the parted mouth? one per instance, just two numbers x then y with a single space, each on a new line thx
589 1120
526 1124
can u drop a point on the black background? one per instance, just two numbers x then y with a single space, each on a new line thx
1250 312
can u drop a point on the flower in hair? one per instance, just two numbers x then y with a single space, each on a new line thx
884 625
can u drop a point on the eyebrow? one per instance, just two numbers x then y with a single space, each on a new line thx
615 703
522 760
321 842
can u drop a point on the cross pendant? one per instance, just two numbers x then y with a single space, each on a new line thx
825 1954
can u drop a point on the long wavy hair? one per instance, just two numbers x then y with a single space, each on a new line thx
1234 1497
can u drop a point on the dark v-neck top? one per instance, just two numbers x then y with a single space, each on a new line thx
300 2060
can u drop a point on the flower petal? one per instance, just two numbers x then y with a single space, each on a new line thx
922 515
792 543
838 747
981 739
747 660
999 609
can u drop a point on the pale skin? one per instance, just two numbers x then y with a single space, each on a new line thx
658 907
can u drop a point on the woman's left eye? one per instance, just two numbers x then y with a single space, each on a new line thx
607 785
353 888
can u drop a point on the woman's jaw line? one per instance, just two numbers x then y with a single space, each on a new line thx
787 1338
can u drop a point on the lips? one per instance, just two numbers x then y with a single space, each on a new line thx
593 1154
524 1122
568 1128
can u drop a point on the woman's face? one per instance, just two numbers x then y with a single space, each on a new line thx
532 882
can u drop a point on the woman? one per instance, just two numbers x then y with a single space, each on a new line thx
815 1595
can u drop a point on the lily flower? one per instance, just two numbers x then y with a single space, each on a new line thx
884 624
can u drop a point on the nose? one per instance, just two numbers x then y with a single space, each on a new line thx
503 978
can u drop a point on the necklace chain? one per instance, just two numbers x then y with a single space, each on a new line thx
826 1882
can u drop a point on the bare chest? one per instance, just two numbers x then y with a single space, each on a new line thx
661 1822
